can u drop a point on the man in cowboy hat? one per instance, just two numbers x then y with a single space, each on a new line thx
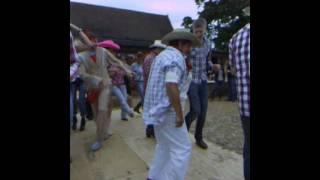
156 48
165 96
93 70
239 55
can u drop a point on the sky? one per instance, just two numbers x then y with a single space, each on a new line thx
175 9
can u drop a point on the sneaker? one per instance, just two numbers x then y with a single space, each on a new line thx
124 119
96 146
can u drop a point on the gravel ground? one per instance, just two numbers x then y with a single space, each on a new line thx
223 125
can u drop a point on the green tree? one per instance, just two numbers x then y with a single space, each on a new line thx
187 22
224 17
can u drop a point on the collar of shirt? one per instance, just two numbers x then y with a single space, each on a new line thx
176 50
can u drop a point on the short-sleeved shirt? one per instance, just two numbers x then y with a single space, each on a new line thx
239 55
156 102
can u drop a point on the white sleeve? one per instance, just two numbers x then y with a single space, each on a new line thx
171 77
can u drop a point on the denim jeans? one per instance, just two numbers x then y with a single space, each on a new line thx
232 89
71 103
219 88
120 92
246 148
140 89
198 98
78 85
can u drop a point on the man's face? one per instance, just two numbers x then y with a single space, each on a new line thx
199 32
157 50
185 48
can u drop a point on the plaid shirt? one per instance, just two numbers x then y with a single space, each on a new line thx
156 103
117 75
137 69
239 54
74 63
147 66
199 61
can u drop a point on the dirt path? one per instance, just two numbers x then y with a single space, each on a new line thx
128 153
223 125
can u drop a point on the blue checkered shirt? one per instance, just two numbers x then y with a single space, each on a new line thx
156 106
198 58
239 54
74 61
137 69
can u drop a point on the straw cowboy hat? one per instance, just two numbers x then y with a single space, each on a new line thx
158 44
246 11
181 34
109 44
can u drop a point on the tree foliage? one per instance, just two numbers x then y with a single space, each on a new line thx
224 17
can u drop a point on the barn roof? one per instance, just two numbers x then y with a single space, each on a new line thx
125 27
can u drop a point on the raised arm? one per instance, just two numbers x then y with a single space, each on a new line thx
89 44
113 60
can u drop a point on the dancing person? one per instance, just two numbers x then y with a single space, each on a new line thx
75 64
239 55
166 94
119 89
155 48
198 92
93 70
79 88
138 77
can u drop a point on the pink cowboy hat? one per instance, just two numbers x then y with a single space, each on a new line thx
109 44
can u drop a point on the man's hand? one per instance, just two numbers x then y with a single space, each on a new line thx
174 98
179 122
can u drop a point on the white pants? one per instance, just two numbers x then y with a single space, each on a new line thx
172 153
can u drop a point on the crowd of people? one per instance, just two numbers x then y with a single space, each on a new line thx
172 73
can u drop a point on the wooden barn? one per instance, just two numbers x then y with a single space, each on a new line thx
132 30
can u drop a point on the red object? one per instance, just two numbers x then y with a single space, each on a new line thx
189 65
93 96
94 58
